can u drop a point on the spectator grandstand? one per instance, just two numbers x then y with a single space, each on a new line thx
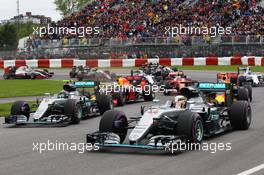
129 26
148 18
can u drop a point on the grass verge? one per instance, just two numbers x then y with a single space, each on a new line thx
23 88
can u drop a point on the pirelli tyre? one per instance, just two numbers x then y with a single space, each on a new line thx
116 122
167 88
121 98
240 115
20 108
113 76
249 88
104 103
190 125
72 74
159 78
6 76
243 94
73 108
80 76
148 93
242 80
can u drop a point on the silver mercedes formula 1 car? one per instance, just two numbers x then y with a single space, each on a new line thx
205 110
69 106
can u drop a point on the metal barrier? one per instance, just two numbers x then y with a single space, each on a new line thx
102 48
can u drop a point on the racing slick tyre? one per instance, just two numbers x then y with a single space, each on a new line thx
242 80
167 87
72 74
113 76
73 108
32 76
6 76
121 98
148 94
243 94
240 115
190 125
249 88
115 122
80 76
46 70
20 108
175 69
159 78
104 103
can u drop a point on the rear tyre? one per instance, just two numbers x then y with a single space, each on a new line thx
32 76
242 80
121 99
113 76
6 76
240 115
148 94
80 76
191 125
166 89
73 108
20 108
249 88
115 122
104 103
46 70
72 75
159 78
243 94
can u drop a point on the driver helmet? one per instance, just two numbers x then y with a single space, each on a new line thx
180 101
220 98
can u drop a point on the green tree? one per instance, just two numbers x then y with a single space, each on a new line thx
66 7
8 37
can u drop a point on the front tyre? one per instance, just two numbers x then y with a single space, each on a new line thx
104 103
20 108
240 115
190 125
114 122
73 108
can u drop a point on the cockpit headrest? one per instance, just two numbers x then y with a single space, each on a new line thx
188 91
69 87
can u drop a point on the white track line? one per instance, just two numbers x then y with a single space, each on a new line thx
252 170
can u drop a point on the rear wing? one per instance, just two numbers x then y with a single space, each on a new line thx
206 86
81 84
85 84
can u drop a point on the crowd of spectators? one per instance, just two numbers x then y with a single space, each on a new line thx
148 18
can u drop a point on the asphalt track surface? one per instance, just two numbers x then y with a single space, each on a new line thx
18 158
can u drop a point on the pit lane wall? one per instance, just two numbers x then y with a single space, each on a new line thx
188 61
